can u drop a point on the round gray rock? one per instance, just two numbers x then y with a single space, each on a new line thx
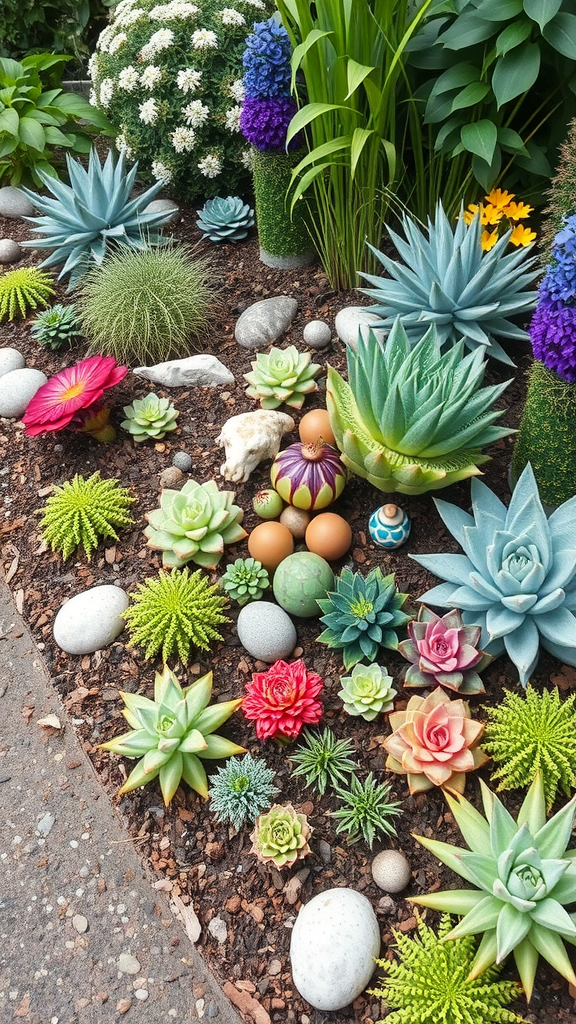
334 941
266 631
10 359
352 319
165 206
13 203
391 870
17 387
10 251
317 334
182 461
91 620
265 321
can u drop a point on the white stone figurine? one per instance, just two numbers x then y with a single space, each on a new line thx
249 438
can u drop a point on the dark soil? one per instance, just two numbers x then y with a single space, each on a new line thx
197 860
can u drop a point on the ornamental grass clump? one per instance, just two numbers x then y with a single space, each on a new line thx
368 692
282 376
150 417
413 419
241 790
524 878
447 280
281 836
172 734
173 612
366 811
430 983
194 524
517 578
529 733
83 511
23 289
362 615
245 580
57 326
147 306
322 760
443 651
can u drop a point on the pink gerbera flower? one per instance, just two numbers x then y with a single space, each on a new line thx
74 389
281 700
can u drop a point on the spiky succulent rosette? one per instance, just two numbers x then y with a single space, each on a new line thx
150 417
57 326
282 376
84 510
517 578
524 877
241 789
442 650
172 733
413 419
281 836
448 281
194 524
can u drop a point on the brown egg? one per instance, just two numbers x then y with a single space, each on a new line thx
270 543
329 535
315 424
296 519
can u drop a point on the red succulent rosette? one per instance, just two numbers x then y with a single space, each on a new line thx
282 700
81 386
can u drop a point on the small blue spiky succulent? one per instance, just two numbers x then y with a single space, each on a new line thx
517 578
241 790
225 220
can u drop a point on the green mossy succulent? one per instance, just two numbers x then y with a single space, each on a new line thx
429 983
282 376
366 812
225 220
172 734
82 511
413 419
280 836
173 612
194 524
532 732
241 790
57 326
22 289
323 760
362 615
245 580
368 692
150 418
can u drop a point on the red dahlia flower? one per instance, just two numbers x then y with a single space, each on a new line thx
62 398
281 700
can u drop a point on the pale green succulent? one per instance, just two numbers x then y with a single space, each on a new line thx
245 580
282 376
150 417
517 578
194 524
525 876
413 419
367 692
448 280
80 220
171 734
225 220
281 836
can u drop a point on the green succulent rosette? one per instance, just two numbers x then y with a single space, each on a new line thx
245 580
281 836
150 417
282 376
367 692
194 524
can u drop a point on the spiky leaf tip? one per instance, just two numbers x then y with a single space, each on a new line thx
83 511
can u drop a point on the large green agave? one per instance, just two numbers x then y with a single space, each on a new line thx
171 734
194 524
81 219
413 419
524 876
451 282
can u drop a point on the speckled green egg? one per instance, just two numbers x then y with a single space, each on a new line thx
299 581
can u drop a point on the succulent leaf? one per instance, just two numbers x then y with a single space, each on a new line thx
225 220
281 836
57 326
368 692
323 760
366 812
245 580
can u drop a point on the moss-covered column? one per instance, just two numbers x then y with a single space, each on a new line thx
547 435
284 238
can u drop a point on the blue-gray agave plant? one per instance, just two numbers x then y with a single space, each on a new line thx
517 578
95 209
451 282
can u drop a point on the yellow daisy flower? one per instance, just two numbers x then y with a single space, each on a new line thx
518 211
522 235
499 198
489 239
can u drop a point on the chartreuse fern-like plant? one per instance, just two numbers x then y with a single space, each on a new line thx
323 760
429 983
532 732
241 789
173 733
174 612
82 511
23 289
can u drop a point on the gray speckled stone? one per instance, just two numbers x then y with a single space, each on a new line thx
391 870
91 620
10 359
266 631
265 321
10 251
165 206
17 388
182 461
202 370
352 319
317 334
13 203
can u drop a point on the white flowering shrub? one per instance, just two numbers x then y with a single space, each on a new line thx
169 77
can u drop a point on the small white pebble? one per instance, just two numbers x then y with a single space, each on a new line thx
141 993
121 908
74 844
61 901
84 871
85 835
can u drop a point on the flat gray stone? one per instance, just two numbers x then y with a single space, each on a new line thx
10 251
10 359
264 322
352 319
91 620
13 203
17 387
202 370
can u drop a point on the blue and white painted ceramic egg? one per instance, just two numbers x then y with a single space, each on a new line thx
389 527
